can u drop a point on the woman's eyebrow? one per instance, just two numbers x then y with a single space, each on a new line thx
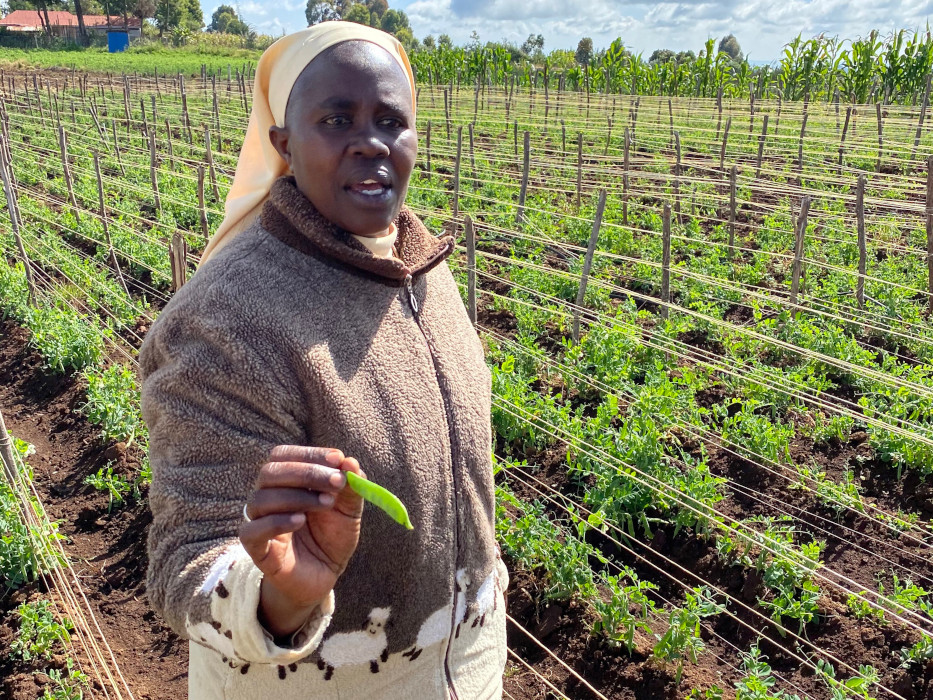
338 103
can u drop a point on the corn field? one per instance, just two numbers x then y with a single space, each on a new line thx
890 70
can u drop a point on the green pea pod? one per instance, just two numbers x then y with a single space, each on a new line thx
381 498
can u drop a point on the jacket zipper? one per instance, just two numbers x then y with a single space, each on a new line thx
416 314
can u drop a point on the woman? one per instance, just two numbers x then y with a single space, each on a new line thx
324 334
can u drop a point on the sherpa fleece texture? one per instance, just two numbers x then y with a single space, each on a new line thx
296 334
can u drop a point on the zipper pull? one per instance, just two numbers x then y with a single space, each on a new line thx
411 294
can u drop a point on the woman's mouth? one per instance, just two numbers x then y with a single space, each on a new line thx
369 188
371 191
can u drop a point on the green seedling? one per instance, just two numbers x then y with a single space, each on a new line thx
380 497
40 632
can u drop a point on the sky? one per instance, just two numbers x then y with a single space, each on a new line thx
762 27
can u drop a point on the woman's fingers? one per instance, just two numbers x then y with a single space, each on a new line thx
348 502
301 475
256 535
328 456
270 501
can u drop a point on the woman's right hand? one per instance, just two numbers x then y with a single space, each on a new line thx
304 527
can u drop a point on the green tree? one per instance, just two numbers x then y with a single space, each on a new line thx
730 45
533 46
192 15
445 41
429 43
221 18
662 56
358 13
318 11
377 7
175 15
143 9
584 51
394 21
685 57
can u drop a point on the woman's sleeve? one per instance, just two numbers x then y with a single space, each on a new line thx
216 398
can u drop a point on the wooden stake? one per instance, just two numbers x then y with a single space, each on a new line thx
178 254
154 176
799 239
116 147
677 171
471 268
803 131
880 136
126 104
220 139
588 264
447 112
923 113
666 264
171 149
761 145
473 180
457 175
103 221
733 188
862 243
63 145
13 209
526 160
725 141
427 142
719 109
579 168
202 211
142 107
842 141
7 455
210 163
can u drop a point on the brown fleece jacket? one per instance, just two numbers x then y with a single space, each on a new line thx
296 334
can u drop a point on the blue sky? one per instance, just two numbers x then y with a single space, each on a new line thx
761 26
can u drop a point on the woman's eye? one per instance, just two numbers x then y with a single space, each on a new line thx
393 122
337 120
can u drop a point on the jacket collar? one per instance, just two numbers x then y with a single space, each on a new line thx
292 219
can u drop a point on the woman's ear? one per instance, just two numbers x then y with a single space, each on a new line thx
278 135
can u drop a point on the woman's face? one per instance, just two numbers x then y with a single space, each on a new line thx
349 136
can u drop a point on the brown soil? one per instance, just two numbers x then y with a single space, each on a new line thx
107 550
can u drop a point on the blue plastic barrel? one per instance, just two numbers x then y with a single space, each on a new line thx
117 41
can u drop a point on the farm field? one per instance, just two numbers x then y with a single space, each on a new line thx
713 458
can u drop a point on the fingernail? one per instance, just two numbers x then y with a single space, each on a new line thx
334 457
326 499
337 479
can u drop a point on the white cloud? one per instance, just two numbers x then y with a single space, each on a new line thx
762 27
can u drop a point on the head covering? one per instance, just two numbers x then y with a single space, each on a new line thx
279 66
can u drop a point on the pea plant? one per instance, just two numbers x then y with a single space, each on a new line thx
113 403
758 682
25 552
40 631
682 641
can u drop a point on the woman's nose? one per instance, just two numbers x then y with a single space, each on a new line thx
370 144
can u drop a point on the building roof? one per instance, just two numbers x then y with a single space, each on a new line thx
58 18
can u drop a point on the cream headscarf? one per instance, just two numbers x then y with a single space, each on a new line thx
279 66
